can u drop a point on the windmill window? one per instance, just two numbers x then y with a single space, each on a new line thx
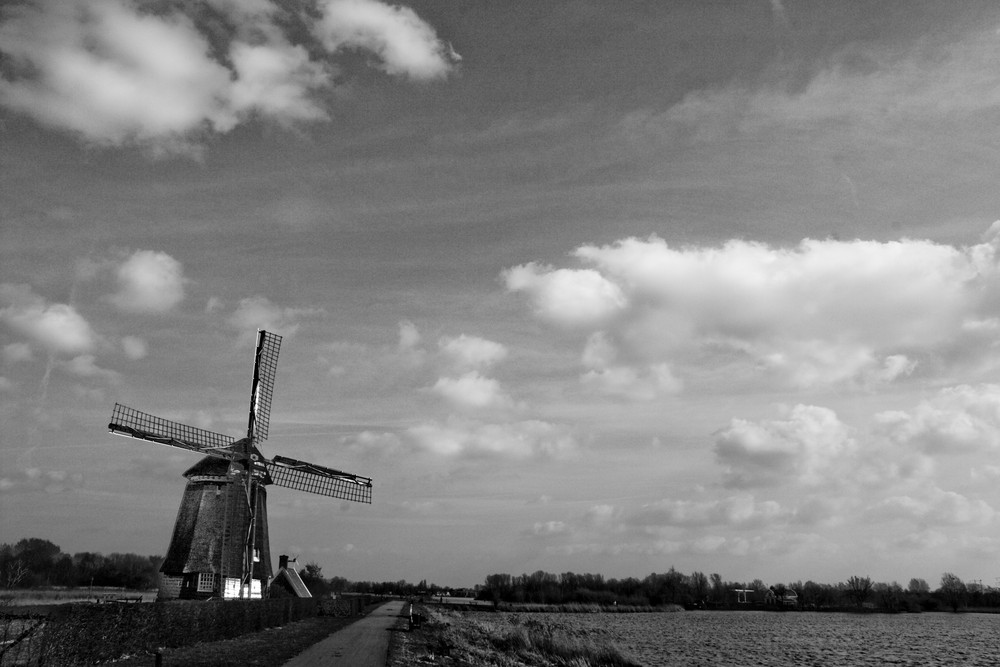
206 582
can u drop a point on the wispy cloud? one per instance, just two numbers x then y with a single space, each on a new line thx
470 438
875 87
259 312
33 480
135 347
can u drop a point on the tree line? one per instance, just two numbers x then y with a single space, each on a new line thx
711 591
312 577
33 562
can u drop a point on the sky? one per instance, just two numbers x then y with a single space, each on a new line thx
583 286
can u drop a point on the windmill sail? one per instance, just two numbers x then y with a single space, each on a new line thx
133 423
220 541
264 369
310 477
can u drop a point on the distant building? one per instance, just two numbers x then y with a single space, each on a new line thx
788 598
287 583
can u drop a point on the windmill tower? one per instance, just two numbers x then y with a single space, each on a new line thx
219 546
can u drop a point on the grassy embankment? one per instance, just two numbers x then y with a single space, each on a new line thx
500 640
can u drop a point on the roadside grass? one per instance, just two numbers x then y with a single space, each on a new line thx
503 640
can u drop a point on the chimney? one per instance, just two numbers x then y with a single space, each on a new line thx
282 562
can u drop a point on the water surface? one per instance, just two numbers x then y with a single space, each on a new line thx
765 639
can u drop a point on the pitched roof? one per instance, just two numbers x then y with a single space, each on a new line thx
290 579
209 466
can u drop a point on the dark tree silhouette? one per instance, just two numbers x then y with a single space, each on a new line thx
859 589
952 591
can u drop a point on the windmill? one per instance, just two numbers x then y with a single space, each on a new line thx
219 546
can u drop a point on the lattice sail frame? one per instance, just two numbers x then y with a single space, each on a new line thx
140 425
265 369
281 471
316 479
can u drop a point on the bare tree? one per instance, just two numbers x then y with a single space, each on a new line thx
699 586
859 589
952 590
919 586
889 595
718 590
14 572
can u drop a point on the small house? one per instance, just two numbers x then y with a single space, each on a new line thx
287 583
786 598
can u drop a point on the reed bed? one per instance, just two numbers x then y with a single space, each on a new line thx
584 608
508 640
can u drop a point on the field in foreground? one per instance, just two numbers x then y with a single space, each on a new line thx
465 639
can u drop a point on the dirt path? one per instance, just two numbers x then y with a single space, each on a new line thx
364 643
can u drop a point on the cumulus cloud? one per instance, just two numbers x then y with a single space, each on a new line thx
258 312
472 352
958 419
106 71
805 448
471 390
408 347
611 378
409 336
405 44
275 80
58 327
135 348
795 312
149 282
567 296
518 440
639 384
115 72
